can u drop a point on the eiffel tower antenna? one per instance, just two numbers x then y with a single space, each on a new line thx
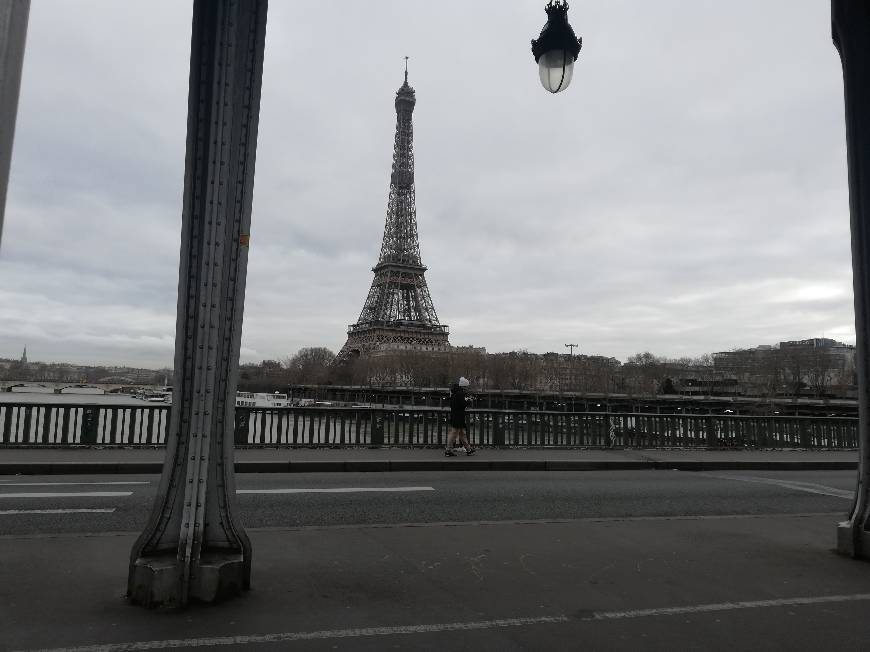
398 312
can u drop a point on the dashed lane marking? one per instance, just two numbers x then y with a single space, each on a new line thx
70 494
726 606
308 636
809 487
452 627
334 490
69 484
11 512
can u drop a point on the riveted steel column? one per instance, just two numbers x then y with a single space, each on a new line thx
13 32
851 30
193 547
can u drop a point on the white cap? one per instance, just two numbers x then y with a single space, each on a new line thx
463 381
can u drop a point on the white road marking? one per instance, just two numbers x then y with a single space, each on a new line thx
8 512
546 521
809 487
308 636
450 627
335 490
726 606
71 494
53 484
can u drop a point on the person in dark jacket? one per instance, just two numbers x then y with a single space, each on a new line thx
458 430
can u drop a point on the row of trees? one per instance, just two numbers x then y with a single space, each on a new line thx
61 372
754 372
789 370
517 370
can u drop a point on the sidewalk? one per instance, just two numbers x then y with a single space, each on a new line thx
42 461
726 583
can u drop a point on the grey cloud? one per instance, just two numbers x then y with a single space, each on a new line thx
686 194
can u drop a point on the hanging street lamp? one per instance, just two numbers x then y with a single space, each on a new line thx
557 47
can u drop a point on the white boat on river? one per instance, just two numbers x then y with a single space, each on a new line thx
261 400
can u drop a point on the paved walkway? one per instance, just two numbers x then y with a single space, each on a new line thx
283 460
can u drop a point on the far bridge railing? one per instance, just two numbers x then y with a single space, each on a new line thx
146 425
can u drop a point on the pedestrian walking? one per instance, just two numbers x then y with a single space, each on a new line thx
458 429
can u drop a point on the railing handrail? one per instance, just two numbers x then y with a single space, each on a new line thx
73 424
421 408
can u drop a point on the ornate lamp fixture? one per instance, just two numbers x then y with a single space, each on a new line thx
557 47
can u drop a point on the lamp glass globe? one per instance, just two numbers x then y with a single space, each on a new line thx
555 68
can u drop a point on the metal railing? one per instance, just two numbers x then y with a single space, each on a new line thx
82 425
100 425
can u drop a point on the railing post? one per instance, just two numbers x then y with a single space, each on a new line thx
341 437
89 426
240 430
803 435
710 426
498 429
850 22
377 439
193 547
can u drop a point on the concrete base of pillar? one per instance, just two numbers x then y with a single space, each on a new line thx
156 581
852 543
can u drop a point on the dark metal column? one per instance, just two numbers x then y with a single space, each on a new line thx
13 33
193 547
851 29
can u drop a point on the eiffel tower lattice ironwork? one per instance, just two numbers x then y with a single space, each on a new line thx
398 313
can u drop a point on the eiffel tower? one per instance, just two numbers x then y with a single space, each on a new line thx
398 313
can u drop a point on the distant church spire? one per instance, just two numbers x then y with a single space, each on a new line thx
24 356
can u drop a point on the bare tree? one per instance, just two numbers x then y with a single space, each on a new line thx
642 373
705 370
767 374
795 365
820 370
310 365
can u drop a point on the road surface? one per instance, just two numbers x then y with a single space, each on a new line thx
628 560
121 503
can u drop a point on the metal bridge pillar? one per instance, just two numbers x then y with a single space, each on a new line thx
851 31
193 547
13 32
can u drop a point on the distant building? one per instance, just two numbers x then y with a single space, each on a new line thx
24 356
826 344
817 365
134 375
479 350
820 361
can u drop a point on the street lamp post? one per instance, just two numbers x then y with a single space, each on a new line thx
13 33
557 48
193 546
570 374
850 21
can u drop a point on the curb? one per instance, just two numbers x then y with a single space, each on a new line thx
372 466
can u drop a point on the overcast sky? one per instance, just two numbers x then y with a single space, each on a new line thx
686 194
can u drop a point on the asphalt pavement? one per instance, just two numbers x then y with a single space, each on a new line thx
645 558
738 583
98 504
